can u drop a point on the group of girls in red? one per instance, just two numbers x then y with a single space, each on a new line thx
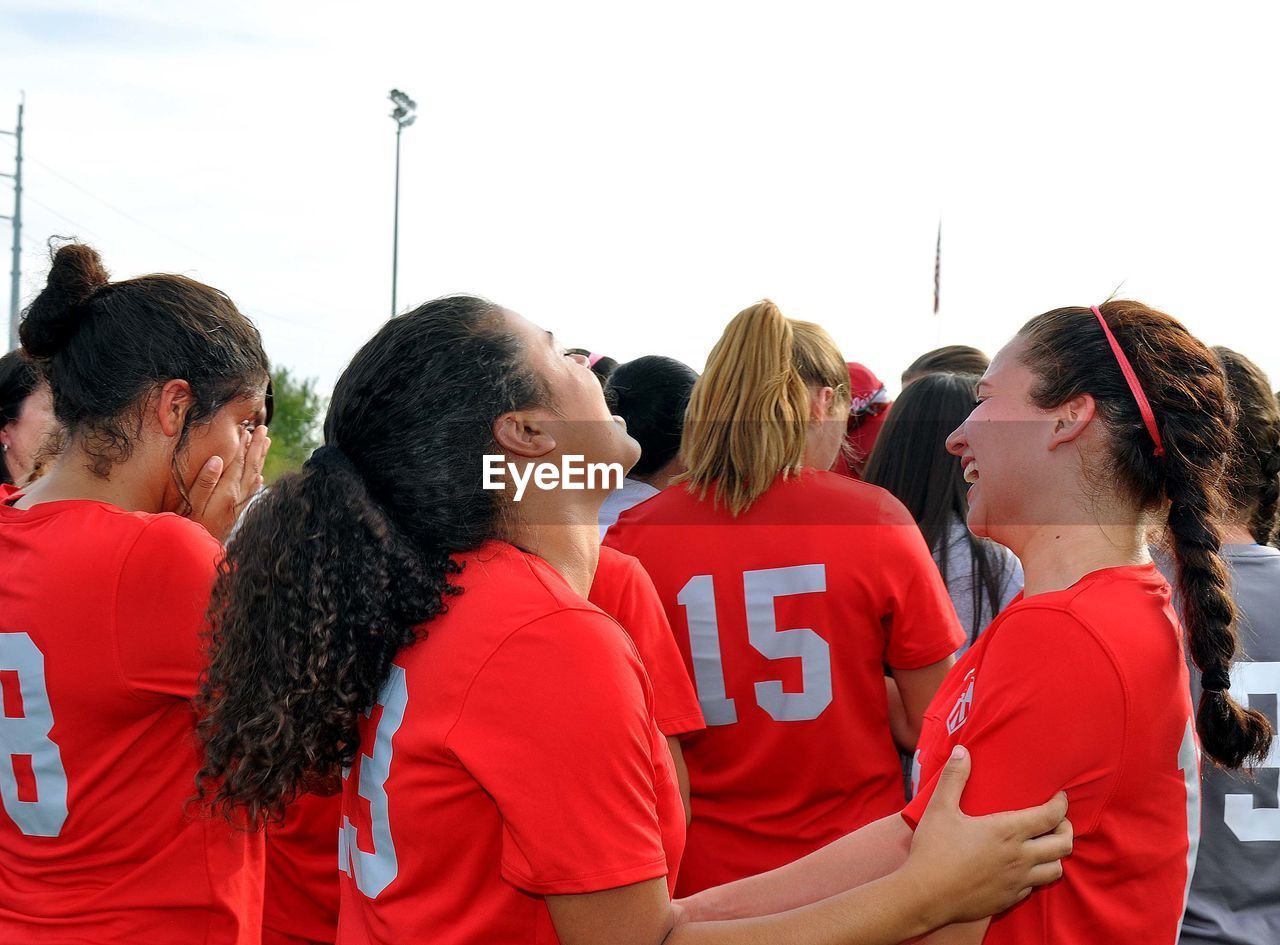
487 723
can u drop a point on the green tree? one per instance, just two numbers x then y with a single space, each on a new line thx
295 423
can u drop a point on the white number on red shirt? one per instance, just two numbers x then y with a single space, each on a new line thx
374 871
761 589
1189 765
36 799
1248 822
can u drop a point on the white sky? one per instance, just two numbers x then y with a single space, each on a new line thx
632 176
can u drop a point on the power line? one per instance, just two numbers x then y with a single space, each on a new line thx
61 216
124 213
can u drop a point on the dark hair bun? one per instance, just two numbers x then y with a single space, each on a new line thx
53 318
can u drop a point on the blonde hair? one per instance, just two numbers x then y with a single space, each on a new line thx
748 414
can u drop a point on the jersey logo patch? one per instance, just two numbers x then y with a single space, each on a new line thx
960 711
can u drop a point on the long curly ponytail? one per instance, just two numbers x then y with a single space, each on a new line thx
340 566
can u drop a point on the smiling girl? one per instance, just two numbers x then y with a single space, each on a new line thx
1089 423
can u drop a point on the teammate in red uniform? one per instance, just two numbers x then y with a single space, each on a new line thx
789 589
1087 423
156 382
300 899
385 615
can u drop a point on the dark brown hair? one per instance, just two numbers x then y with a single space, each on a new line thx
1068 352
1253 471
949 359
338 567
106 346
18 381
910 459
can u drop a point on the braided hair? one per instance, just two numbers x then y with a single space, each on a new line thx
1069 353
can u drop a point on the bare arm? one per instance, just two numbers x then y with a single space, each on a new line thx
969 933
867 854
958 869
917 687
899 727
885 912
682 776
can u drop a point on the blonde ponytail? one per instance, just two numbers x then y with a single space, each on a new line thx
748 416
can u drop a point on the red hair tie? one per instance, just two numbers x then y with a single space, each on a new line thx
1144 406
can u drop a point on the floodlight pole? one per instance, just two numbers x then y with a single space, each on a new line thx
403 113
15 275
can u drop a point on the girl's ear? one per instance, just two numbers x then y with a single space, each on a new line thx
172 403
1071 419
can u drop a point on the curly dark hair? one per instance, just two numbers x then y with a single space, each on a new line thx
1253 472
105 346
1068 352
340 566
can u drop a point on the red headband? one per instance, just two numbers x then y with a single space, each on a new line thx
1144 406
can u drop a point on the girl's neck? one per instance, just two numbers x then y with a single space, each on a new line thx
570 543
72 477
1056 557
1237 534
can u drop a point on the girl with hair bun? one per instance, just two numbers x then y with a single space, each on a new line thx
387 623
1090 424
1236 889
788 588
108 561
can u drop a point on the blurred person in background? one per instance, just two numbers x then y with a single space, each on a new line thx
109 558
869 404
911 460
949 359
1235 892
651 394
601 364
788 588
26 418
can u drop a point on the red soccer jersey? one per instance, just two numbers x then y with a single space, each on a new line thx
1082 690
101 616
300 897
786 617
624 591
512 755
302 882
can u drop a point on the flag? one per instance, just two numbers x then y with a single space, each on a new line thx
937 272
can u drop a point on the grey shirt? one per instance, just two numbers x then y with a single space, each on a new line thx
958 556
1235 891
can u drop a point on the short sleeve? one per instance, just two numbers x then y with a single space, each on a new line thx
624 590
1048 713
920 620
557 728
161 601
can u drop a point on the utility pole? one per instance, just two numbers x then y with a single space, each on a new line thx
16 220
404 116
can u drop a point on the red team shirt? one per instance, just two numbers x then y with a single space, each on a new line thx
512 755
101 616
1082 690
786 617
301 900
